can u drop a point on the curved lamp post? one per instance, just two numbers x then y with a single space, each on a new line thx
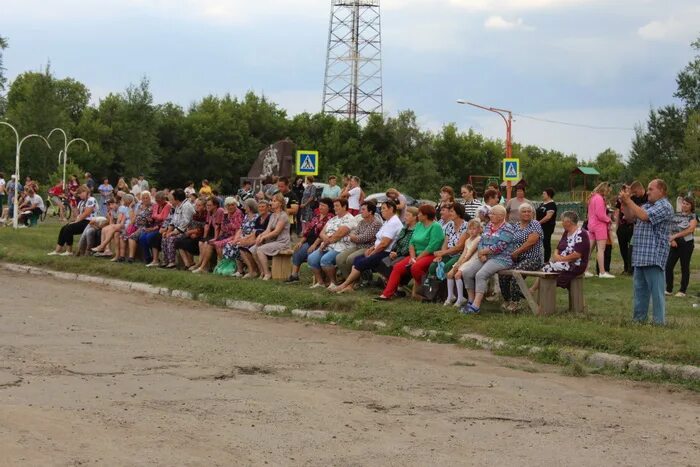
507 117
19 141
66 145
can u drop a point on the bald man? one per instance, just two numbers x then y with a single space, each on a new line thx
651 248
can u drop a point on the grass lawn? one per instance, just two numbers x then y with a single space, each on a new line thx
606 327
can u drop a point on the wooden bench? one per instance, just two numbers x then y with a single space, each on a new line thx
282 265
545 301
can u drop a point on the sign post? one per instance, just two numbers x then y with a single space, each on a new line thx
511 173
307 163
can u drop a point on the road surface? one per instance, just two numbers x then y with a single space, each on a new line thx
92 376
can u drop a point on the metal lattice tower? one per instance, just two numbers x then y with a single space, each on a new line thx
353 82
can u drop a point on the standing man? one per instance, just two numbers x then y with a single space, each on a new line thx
90 182
143 183
625 227
354 195
290 199
651 247
12 187
331 191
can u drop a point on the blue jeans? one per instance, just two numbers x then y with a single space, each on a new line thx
322 259
300 256
144 240
649 282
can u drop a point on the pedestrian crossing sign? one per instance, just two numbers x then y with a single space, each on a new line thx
307 163
511 170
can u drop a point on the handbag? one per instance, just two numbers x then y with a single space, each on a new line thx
225 267
431 287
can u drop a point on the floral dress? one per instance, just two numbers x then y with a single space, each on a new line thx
577 242
143 220
229 227
530 260
232 251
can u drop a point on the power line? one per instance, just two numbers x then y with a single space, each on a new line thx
580 125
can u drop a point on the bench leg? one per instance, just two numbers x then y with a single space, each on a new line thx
577 303
281 267
526 291
548 298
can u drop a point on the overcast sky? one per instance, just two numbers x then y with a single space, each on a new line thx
595 62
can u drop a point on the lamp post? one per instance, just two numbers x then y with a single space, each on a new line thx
66 145
507 117
19 142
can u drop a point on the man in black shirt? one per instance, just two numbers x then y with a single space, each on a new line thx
291 200
547 217
625 229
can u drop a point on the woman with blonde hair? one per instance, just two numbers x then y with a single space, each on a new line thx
599 225
275 238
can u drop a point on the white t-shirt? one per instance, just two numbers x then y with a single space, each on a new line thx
354 198
36 199
2 186
136 190
88 203
390 229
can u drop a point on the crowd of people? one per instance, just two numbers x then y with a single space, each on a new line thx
462 243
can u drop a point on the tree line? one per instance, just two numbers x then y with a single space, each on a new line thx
219 138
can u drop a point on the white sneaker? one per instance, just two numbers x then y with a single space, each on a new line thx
680 295
332 287
449 301
236 274
316 285
605 275
589 274
668 294
53 253
461 302
23 226
66 253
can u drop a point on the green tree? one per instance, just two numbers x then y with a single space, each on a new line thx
688 81
611 166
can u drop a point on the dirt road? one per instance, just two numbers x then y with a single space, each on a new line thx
90 376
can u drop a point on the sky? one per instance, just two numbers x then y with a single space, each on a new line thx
590 62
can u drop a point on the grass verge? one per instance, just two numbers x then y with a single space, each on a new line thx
606 327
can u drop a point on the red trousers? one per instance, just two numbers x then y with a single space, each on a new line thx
417 270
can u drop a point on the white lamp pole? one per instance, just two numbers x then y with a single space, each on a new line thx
19 141
66 145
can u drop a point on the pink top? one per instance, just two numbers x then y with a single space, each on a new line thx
597 212
160 213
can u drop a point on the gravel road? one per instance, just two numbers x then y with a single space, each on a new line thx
92 376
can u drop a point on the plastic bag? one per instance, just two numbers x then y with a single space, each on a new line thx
225 267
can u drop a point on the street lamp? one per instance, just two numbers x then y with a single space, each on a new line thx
507 117
66 145
19 141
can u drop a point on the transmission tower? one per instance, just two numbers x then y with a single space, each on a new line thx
353 81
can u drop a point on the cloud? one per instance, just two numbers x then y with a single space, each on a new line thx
672 29
500 23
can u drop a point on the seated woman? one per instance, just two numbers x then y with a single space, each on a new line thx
310 237
400 249
230 223
384 240
143 222
427 238
247 245
151 239
187 245
212 230
109 231
570 259
682 244
86 210
233 219
466 259
89 237
276 237
495 249
455 229
362 237
245 237
182 213
334 240
528 254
